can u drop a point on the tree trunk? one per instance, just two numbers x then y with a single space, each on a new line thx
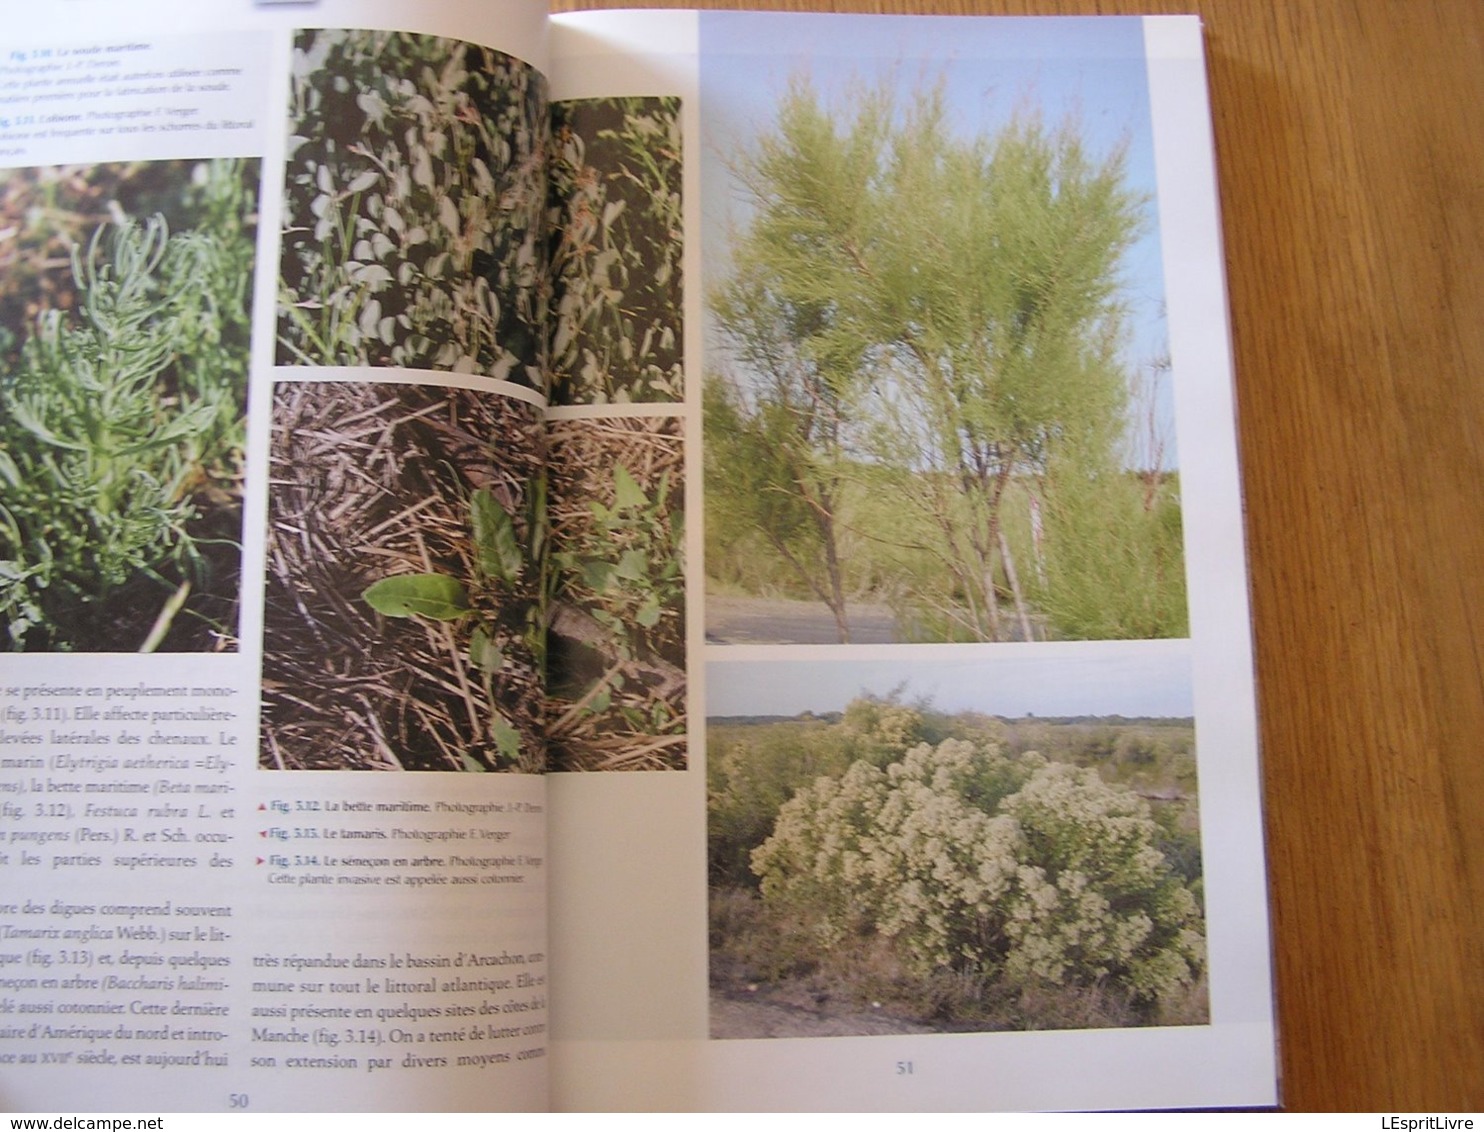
1026 633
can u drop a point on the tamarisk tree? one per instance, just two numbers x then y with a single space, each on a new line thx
943 309
782 435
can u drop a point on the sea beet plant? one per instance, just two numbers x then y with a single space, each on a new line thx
414 227
402 624
500 562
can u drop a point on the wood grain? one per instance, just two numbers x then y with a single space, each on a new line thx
1351 166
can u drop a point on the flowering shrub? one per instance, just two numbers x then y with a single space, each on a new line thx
969 860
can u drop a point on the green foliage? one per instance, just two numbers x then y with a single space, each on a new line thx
616 251
618 586
1114 565
963 858
778 431
631 559
435 596
774 462
941 317
414 229
123 423
501 563
498 554
749 777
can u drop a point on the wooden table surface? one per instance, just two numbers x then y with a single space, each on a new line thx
1350 154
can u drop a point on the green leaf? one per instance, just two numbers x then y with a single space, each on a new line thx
507 738
626 492
497 551
633 566
484 654
649 613
597 574
472 764
436 596
448 214
536 519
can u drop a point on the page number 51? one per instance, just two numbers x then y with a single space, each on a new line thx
904 1069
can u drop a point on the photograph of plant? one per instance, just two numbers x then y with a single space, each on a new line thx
938 405
414 213
402 625
897 863
616 663
125 296
616 246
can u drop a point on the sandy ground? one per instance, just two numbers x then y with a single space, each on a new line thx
793 1008
765 1015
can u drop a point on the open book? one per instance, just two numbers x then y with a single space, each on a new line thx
810 438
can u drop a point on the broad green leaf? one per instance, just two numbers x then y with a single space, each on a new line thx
484 654
649 613
633 566
436 596
597 574
497 551
626 492
507 738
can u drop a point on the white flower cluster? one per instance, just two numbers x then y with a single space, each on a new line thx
971 860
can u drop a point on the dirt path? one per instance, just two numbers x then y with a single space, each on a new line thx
777 621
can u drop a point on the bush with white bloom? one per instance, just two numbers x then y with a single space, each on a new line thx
970 860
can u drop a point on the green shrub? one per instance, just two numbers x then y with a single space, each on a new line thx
1114 563
122 424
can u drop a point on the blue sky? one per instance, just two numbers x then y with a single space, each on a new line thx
1090 69
1141 679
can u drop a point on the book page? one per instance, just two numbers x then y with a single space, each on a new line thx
968 815
272 502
